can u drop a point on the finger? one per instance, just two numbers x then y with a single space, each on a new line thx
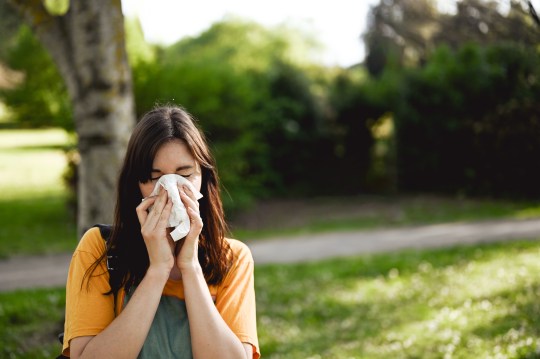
195 220
147 202
142 209
182 188
191 194
189 202
157 209
165 214
195 228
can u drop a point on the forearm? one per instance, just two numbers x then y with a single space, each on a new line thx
210 335
125 336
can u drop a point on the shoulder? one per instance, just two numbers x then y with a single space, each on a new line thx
240 250
91 242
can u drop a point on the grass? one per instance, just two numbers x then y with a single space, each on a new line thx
463 302
33 214
30 322
360 213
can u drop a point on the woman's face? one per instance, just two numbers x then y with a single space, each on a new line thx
173 157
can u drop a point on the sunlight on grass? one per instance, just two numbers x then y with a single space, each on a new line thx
31 162
33 213
30 173
468 302
532 212
21 139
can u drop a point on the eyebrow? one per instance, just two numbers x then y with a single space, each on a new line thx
181 168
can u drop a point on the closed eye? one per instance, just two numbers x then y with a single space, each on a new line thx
154 179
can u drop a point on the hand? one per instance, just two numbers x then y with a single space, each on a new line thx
187 248
154 229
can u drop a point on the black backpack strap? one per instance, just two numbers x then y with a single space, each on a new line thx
105 230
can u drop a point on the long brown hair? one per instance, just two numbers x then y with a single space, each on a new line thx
157 127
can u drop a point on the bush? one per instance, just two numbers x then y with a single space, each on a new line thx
469 123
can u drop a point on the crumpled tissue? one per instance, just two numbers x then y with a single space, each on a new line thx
179 218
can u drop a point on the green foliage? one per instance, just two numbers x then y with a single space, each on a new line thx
138 50
469 122
254 102
41 98
9 25
56 7
222 101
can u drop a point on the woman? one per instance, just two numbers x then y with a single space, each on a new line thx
141 307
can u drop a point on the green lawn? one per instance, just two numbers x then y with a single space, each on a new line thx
463 302
33 214
466 302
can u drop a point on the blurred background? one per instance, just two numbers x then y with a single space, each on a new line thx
430 97
349 115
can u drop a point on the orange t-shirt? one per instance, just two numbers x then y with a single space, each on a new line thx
89 311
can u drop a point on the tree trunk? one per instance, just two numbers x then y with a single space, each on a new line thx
88 46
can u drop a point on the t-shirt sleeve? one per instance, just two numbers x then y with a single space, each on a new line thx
235 298
88 310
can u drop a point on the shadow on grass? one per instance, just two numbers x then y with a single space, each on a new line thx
37 225
39 148
30 321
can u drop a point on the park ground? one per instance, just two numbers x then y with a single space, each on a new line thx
478 300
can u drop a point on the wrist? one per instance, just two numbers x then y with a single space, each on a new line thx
193 267
160 273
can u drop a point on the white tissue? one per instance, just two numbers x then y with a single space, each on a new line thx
179 217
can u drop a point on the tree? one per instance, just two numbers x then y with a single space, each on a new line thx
402 29
87 44
483 22
408 31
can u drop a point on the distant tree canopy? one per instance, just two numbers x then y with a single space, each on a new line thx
406 32
462 91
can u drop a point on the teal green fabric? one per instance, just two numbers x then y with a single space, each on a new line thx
169 335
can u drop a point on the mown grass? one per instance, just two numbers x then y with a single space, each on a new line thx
33 213
30 322
463 302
